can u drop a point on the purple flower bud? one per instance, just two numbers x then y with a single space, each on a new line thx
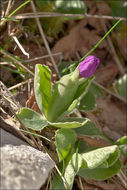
88 66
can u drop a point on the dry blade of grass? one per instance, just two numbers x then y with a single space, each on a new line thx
44 39
5 53
52 14
20 84
43 57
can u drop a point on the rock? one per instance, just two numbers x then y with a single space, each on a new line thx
22 167
8 138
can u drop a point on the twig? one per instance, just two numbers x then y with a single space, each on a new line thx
52 14
15 60
105 17
44 39
15 129
113 52
8 7
122 180
123 175
110 92
20 84
80 181
42 57
48 181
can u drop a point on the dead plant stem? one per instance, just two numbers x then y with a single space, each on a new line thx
42 57
44 39
113 52
80 181
52 14
109 92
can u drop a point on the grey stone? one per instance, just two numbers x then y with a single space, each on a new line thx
23 167
8 138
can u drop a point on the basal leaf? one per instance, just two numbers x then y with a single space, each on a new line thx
96 91
101 173
83 86
65 140
32 119
42 87
69 123
70 6
89 129
72 169
70 109
122 143
120 86
123 150
96 157
63 95
57 183
69 174
88 102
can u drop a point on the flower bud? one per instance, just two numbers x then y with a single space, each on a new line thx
88 66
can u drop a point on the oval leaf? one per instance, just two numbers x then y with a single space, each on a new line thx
32 119
42 87
70 6
63 95
120 86
89 129
65 140
87 102
96 157
101 173
69 123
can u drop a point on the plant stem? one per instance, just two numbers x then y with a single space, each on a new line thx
101 40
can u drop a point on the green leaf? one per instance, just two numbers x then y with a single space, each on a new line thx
83 86
32 119
113 158
87 102
123 150
70 109
101 173
83 146
96 157
118 8
57 183
70 6
44 3
42 87
63 95
89 129
71 122
69 174
122 143
65 140
72 169
96 91
120 86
